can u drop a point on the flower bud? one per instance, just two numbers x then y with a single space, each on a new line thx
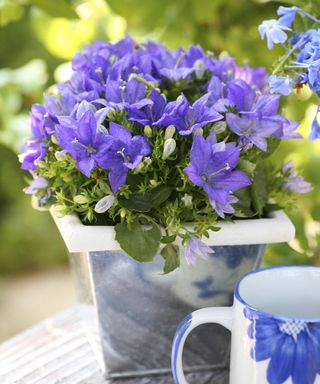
219 126
224 55
54 139
303 92
187 200
104 204
200 68
80 199
36 205
122 213
139 168
169 132
198 131
60 155
147 161
147 131
154 183
168 148
41 164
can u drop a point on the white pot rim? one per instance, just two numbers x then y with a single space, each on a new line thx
277 228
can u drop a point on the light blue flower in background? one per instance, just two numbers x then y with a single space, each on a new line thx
281 84
273 31
288 14
315 129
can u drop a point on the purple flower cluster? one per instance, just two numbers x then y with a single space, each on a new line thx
133 81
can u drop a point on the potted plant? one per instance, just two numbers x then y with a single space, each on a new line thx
146 152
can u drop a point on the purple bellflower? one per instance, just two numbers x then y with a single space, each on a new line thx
255 77
241 95
120 94
252 130
295 183
187 119
212 168
35 148
287 130
138 62
81 88
149 113
124 152
196 249
258 119
83 140
182 64
36 184
216 98
223 209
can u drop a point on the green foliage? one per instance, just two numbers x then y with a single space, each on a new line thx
145 202
56 8
215 24
9 12
171 255
140 243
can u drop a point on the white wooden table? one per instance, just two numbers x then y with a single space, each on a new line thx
57 351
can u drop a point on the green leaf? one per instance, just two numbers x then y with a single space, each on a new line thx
168 239
57 8
243 206
139 243
137 202
145 202
272 207
259 190
247 166
170 253
160 194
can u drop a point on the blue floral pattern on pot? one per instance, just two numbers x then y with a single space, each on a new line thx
287 344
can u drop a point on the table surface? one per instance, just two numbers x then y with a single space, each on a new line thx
57 351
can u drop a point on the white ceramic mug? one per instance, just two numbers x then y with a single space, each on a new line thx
275 326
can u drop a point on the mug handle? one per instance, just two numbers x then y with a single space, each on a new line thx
218 315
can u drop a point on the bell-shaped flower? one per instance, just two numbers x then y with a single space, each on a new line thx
212 168
195 250
83 140
294 182
186 118
150 112
121 94
124 152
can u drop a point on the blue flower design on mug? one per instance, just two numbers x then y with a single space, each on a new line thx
288 345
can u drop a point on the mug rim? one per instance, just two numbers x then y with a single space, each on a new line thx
269 314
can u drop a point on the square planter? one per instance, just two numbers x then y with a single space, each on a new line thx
137 309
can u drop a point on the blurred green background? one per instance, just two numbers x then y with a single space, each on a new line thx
37 40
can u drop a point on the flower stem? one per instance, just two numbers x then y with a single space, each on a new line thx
286 57
142 80
310 16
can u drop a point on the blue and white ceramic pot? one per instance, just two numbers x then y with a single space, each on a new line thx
137 309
